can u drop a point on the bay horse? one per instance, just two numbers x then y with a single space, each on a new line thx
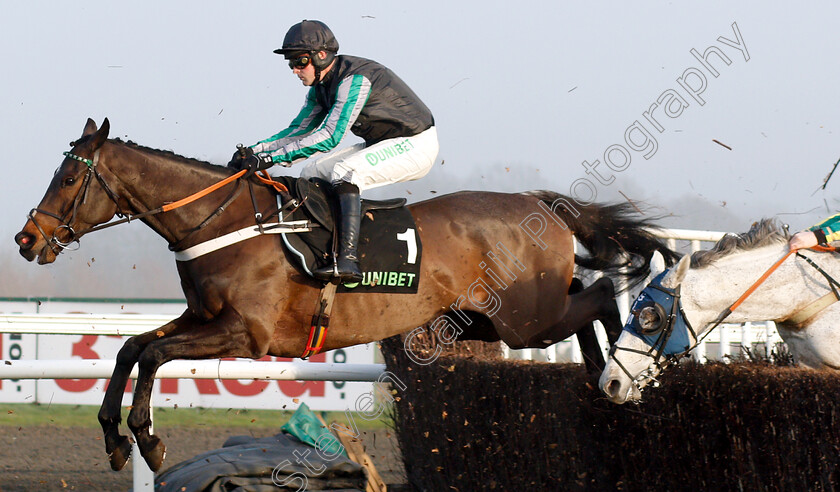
683 303
250 299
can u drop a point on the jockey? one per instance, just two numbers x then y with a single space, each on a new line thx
347 93
823 233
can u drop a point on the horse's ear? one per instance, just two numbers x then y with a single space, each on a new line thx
90 128
657 264
101 135
679 272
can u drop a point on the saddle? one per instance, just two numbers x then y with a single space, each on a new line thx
389 248
320 201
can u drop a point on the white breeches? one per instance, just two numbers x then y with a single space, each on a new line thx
387 162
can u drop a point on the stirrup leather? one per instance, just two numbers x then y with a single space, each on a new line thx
320 321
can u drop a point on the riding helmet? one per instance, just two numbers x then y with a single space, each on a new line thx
310 36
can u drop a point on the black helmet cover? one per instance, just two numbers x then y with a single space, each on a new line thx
310 36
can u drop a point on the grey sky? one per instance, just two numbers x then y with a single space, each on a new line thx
522 94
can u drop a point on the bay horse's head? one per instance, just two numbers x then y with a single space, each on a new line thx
76 200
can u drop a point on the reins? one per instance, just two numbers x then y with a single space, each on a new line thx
732 307
169 206
81 197
832 283
202 193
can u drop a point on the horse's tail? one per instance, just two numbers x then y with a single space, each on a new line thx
620 243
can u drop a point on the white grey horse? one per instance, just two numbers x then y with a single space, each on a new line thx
681 304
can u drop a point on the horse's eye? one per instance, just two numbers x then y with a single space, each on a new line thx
68 181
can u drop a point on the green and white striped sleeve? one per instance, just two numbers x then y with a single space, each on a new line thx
309 117
828 230
351 96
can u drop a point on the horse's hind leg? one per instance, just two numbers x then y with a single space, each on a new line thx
223 336
596 302
610 316
116 445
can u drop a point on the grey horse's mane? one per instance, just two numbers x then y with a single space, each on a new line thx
762 233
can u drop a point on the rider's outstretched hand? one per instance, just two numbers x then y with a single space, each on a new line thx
257 162
242 153
802 240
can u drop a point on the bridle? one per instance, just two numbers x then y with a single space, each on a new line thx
668 337
65 220
658 300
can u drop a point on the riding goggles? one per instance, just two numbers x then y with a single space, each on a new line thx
301 61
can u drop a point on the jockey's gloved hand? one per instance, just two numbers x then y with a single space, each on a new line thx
240 155
257 162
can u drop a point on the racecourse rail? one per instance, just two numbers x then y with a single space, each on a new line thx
132 324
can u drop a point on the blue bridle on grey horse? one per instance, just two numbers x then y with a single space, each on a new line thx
657 317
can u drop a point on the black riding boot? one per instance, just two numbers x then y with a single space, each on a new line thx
350 204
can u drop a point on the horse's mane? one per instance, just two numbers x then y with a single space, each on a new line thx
762 233
164 153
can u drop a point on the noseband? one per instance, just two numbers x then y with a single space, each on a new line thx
668 337
57 245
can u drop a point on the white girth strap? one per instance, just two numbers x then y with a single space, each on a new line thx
241 235
812 309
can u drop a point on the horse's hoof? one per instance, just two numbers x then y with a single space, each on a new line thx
119 456
155 456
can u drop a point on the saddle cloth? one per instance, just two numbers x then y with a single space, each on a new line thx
389 247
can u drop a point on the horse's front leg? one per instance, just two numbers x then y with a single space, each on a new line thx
227 335
116 445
